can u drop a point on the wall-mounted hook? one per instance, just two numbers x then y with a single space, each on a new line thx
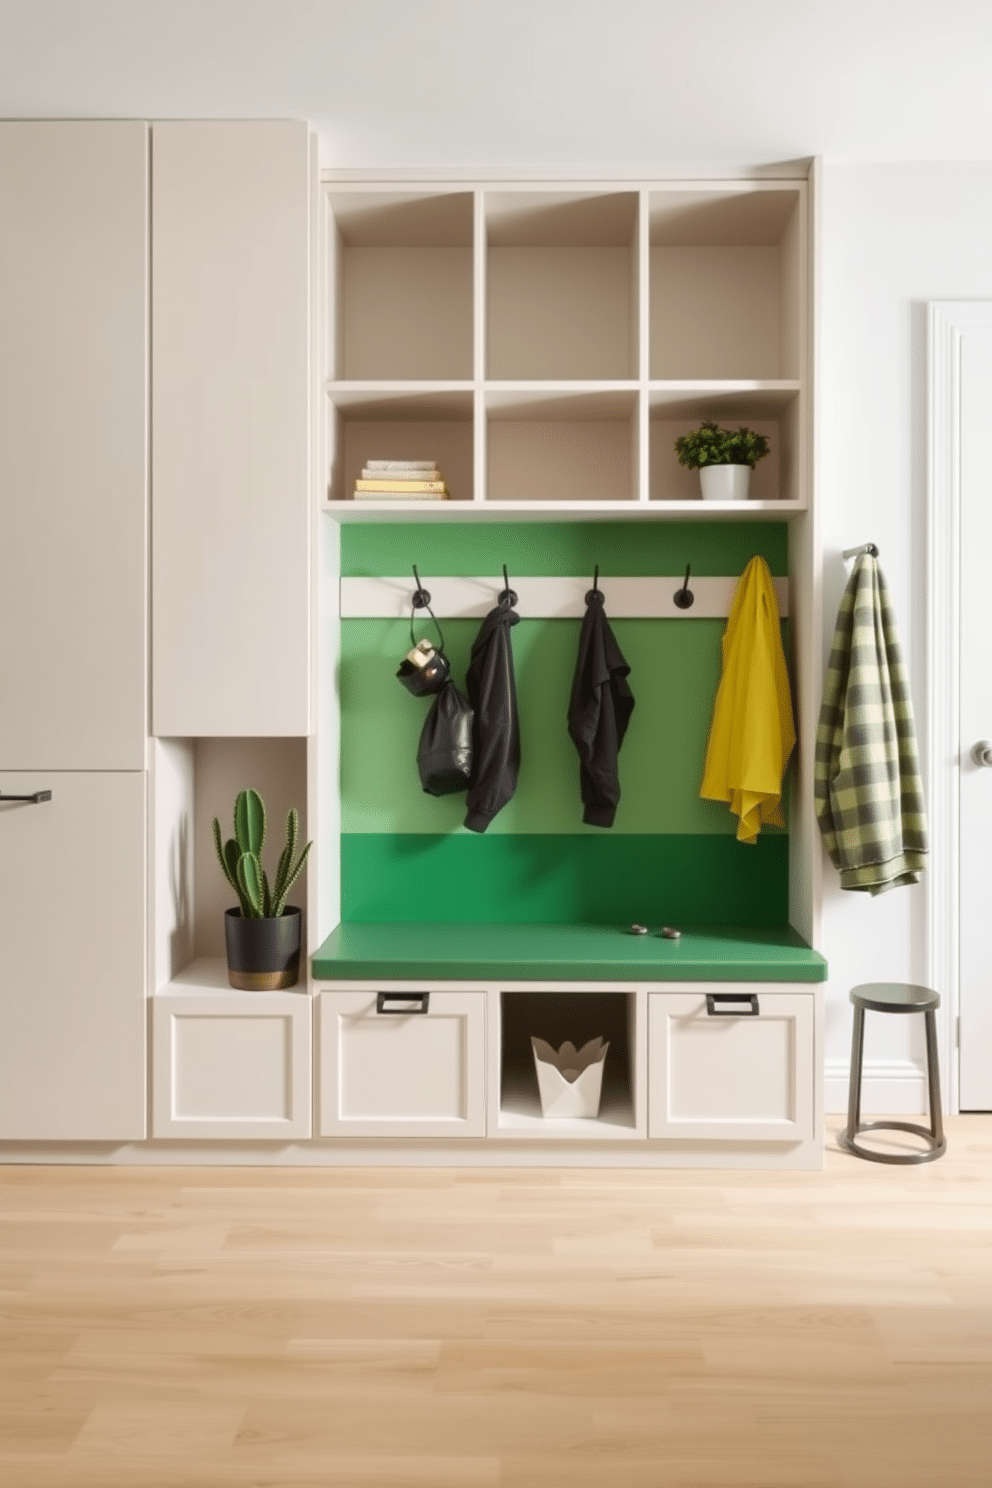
421 597
422 601
684 597
508 596
593 595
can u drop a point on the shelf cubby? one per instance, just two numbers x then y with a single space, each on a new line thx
400 282
559 445
725 276
561 285
195 780
770 410
554 1016
372 422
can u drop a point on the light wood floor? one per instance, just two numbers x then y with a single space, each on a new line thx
445 1329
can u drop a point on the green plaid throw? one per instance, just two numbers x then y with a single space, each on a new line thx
867 787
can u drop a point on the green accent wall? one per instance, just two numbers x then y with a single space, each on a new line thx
675 669
556 548
669 856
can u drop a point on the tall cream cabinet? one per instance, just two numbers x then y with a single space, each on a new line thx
154 577
73 628
73 445
230 388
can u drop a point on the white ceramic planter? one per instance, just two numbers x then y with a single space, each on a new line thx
725 482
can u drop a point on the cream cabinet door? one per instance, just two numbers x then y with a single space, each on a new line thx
230 411
731 1062
72 957
231 1065
73 445
402 1063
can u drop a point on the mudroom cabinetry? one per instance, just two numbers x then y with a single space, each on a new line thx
73 629
545 343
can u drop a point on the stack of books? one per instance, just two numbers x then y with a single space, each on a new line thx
401 480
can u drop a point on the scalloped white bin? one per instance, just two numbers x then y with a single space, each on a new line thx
561 1097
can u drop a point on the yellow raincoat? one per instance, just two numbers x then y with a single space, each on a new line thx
752 733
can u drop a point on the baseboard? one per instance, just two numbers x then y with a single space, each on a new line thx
889 1087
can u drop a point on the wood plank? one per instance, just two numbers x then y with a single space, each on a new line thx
460 1327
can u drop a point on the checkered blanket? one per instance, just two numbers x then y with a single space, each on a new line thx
867 787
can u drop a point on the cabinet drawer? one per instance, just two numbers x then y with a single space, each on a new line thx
231 1065
722 1068
402 1063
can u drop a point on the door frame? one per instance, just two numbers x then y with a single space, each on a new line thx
948 321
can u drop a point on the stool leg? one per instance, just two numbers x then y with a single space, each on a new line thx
854 1088
933 1079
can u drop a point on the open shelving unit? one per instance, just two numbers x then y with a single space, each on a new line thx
547 343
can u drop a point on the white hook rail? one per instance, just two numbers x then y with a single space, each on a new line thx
637 598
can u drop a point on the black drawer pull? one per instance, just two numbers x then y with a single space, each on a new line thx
423 998
745 1004
36 796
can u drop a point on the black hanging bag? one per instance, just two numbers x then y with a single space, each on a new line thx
444 754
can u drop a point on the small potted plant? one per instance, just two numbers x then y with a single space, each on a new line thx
723 457
262 933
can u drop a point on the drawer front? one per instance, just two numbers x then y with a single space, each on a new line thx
402 1063
724 1069
232 1066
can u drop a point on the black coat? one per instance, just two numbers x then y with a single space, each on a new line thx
599 712
492 692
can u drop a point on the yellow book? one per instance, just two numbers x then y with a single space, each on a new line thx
402 487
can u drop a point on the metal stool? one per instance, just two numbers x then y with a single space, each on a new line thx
894 997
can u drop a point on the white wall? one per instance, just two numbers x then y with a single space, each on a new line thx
894 236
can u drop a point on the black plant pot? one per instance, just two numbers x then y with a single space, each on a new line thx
263 955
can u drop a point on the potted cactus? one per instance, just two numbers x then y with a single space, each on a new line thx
261 931
723 457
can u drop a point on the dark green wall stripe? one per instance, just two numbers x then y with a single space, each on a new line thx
527 879
554 548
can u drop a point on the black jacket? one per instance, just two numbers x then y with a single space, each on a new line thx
599 712
492 692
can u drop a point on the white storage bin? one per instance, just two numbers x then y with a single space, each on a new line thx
570 1080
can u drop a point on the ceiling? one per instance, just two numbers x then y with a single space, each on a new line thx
555 85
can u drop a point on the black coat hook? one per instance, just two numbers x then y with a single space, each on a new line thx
421 597
684 597
593 596
508 595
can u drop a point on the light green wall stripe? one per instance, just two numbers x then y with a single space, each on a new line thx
554 548
675 669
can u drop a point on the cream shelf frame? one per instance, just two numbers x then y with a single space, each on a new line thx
706 282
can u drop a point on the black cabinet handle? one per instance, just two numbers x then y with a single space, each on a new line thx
423 998
739 999
37 796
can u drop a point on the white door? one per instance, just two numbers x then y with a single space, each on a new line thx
975 1058
73 445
